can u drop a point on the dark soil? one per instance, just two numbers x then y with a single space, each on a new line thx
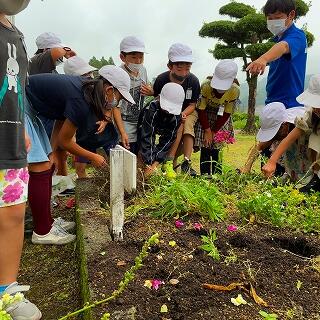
52 273
274 261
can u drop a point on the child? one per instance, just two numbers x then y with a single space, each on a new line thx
218 99
276 122
49 55
180 62
41 168
162 117
77 104
287 58
307 126
76 66
132 51
13 159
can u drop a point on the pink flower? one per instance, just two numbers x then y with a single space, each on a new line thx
12 193
179 223
11 175
232 228
197 226
156 284
24 175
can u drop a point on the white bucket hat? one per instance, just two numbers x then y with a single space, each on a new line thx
293 113
271 119
49 40
75 66
224 74
171 98
119 79
179 52
311 96
132 44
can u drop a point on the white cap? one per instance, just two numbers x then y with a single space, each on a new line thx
293 113
75 66
311 96
224 74
179 52
48 40
119 79
171 98
132 44
271 119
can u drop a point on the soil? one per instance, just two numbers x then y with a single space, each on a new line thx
52 272
276 262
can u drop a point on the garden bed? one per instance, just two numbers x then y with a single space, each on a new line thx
276 262
280 264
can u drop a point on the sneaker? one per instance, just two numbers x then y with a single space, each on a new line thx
66 193
56 235
22 309
187 168
167 168
314 185
66 225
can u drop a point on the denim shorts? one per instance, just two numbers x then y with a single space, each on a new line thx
40 144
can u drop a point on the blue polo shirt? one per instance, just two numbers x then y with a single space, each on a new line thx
287 74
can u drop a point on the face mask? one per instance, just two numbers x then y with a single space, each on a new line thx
277 27
12 7
134 67
113 103
178 78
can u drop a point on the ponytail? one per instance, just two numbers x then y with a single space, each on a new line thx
94 94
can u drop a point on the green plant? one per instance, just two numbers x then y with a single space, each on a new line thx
268 316
209 245
128 277
182 196
283 206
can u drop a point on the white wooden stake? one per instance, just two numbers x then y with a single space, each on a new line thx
123 172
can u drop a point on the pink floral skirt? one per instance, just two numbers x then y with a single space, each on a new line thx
13 186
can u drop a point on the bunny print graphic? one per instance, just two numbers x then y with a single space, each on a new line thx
11 80
12 68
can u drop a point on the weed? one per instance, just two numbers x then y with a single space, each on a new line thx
231 257
209 245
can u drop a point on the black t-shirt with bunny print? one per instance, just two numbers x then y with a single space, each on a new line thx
13 72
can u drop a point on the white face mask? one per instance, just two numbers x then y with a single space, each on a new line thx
12 7
277 27
135 67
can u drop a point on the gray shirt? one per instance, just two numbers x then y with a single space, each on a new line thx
13 72
130 112
42 63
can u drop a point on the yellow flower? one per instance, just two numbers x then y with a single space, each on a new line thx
172 243
238 300
148 284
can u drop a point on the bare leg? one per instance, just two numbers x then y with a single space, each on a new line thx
188 142
11 241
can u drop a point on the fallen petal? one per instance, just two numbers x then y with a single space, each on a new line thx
174 281
148 284
232 228
164 308
197 226
172 243
179 223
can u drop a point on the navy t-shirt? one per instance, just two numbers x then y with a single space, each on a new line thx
287 74
191 87
57 97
